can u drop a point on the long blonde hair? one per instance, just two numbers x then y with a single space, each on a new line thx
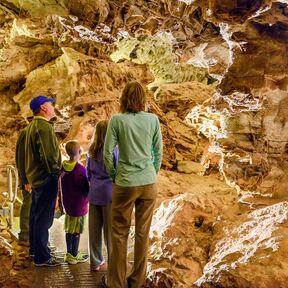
98 139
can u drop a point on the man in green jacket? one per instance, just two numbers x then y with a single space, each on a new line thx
42 169
25 188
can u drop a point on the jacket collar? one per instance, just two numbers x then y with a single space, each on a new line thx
40 117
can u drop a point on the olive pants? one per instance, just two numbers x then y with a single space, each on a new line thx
24 216
124 199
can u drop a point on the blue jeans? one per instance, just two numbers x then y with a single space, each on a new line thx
41 219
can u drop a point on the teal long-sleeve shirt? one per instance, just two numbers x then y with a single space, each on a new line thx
139 139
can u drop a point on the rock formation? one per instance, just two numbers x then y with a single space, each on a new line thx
216 76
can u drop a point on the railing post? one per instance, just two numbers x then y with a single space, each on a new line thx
10 191
12 194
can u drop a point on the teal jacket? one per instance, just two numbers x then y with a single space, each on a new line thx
139 139
42 154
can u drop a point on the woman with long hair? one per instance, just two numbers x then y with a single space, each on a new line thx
100 197
138 136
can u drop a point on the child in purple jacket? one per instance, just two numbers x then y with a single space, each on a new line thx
74 191
100 197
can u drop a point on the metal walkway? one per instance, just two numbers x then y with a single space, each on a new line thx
76 276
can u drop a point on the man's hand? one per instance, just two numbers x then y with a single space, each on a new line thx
28 187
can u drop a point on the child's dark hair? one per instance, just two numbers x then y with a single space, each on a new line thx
98 139
72 147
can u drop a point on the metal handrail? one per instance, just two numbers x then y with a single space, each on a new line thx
12 194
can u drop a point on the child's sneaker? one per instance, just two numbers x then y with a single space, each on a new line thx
97 268
81 258
70 259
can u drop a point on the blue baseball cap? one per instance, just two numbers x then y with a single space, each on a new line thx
36 102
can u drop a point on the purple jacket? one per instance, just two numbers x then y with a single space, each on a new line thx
101 185
75 188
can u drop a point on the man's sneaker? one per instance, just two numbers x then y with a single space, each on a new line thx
50 263
52 248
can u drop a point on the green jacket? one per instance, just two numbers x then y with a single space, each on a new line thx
42 154
20 158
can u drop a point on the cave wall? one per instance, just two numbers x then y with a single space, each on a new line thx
216 72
